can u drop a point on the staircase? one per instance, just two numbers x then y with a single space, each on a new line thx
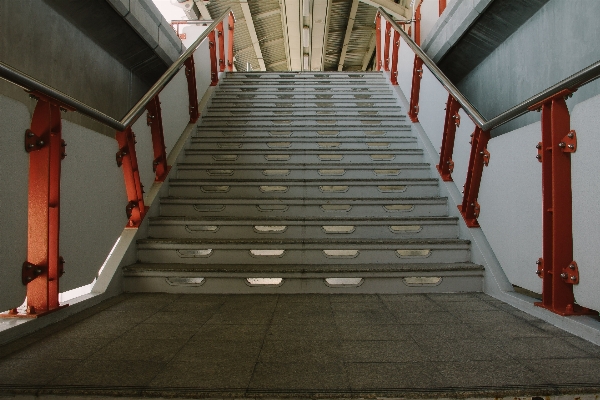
303 183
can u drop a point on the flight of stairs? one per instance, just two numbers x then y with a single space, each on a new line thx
303 183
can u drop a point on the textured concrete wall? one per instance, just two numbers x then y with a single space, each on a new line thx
559 40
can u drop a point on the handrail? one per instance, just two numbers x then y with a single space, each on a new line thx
453 90
31 84
574 81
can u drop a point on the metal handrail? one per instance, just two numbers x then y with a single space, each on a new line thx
462 100
574 81
31 84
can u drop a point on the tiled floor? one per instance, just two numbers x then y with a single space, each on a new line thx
301 345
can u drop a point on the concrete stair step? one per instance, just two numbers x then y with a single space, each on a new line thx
304 208
288 189
303 228
300 132
342 143
301 171
302 112
307 252
317 122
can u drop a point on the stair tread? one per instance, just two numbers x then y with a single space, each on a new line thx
305 242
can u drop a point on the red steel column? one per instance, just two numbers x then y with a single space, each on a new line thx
44 266
395 50
212 45
413 112
378 62
446 165
230 43
479 157
221 38
126 157
557 267
190 73
159 165
386 49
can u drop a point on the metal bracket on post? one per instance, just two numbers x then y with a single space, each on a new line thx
154 120
221 38
386 49
469 208
43 268
570 273
378 63
190 73
230 26
569 142
452 121
395 50
127 159
212 45
413 112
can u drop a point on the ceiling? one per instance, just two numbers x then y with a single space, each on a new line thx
296 35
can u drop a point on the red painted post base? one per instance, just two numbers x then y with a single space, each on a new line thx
571 309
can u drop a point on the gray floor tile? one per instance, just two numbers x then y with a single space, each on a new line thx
430 318
358 307
316 299
32 371
204 375
516 329
365 318
296 306
568 371
381 351
302 317
404 307
231 332
392 376
221 352
305 377
446 297
133 349
374 332
536 348
449 332
466 307
162 331
195 319
106 373
418 297
482 374
349 298
59 347
241 317
300 351
325 331
462 350
590 348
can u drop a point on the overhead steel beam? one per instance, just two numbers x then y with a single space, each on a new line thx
369 52
292 27
252 32
349 28
395 10
320 23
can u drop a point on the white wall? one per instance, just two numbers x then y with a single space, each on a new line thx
14 172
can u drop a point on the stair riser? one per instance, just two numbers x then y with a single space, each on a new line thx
241 257
314 113
322 104
298 211
320 134
251 232
312 124
228 173
295 192
370 285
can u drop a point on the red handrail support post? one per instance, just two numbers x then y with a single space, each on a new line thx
386 48
446 165
127 159
154 120
44 265
378 62
190 73
221 37
395 50
557 268
212 45
231 24
469 208
413 112
418 24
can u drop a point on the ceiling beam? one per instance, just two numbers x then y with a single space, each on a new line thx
252 32
349 28
319 24
396 10
369 53
292 27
